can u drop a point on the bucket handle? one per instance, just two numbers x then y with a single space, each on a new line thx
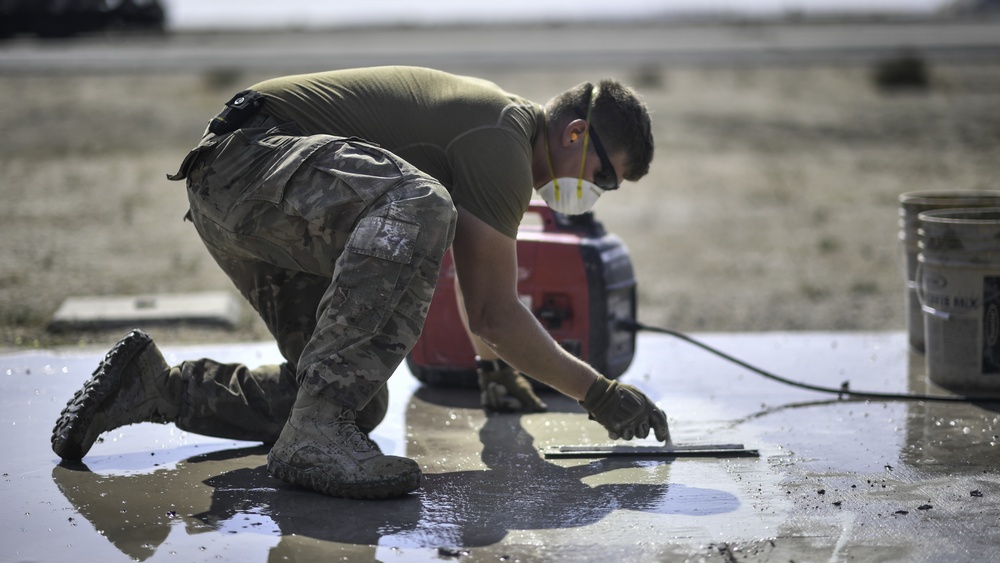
901 264
918 281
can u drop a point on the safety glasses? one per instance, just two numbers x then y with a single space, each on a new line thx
606 178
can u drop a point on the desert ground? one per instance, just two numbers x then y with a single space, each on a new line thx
771 204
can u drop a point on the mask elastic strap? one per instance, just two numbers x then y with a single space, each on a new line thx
586 143
548 159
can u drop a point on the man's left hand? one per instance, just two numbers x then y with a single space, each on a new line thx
504 389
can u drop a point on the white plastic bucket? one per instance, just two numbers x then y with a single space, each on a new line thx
958 285
911 205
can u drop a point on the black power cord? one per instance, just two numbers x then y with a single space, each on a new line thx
843 391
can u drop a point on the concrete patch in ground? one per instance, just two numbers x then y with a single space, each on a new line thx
100 312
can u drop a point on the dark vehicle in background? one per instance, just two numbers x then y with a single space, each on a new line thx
64 18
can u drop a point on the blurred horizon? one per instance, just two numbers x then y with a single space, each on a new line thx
195 15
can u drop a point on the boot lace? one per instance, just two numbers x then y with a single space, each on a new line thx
347 429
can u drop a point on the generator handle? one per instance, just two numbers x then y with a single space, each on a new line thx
539 207
552 222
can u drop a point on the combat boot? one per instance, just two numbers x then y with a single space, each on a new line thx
129 386
322 448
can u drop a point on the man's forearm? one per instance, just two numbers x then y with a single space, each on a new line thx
518 338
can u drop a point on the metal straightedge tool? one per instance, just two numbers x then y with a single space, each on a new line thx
666 451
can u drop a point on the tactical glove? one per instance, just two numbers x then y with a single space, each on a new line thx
504 389
624 411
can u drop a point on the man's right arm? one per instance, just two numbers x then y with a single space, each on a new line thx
486 262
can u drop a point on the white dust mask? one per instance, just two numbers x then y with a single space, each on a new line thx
571 196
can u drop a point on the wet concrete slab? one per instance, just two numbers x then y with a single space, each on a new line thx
835 480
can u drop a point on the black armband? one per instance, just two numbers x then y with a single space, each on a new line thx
237 111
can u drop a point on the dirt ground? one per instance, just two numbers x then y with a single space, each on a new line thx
771 204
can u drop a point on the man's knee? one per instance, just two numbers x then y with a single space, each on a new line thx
442 209
425 202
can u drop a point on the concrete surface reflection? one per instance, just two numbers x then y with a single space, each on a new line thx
518 490
225 492
135 510
509 487
940 435
836 480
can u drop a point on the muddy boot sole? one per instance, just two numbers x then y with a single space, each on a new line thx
82 421
315 478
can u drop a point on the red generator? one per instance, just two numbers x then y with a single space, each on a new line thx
575 277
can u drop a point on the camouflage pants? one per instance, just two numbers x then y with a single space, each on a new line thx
337 245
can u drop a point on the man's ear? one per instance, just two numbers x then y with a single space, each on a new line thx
574 129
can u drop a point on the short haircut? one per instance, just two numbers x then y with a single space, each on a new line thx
619 116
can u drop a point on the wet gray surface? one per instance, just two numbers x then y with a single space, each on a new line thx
836 480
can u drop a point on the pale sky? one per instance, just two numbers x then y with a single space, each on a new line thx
192 14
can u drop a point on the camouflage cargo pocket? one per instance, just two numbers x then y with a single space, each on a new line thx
368 284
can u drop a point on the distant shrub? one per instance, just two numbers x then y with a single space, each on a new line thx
222 79
649 77
907 71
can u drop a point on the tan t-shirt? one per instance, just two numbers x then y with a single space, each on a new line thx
468 133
